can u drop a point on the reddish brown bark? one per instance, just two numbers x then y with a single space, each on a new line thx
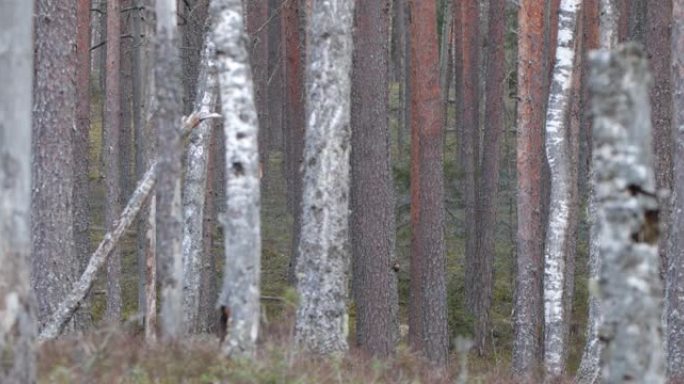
110 156
427 301
275 75
623 19
471 143
531 80
294 116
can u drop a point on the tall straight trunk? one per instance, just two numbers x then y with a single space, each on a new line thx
192 36
256 12
169 215
81 148
372 222
589 369
294 119
627 213
194 188
321 323
405 76
138 91
530 124
275 75
489 180
126 79
445 60
459 86
622 19
675 257
54 262
559 153
427 300
658 46
240 294
17 308
111 154
471 148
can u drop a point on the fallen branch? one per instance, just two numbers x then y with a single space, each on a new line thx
55 325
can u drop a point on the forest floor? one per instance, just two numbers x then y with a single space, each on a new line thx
116 355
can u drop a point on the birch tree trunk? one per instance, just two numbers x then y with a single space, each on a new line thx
242 226
558 154
323 261
54 263
194 188
169 215
17 308
589 369
675 258
627 214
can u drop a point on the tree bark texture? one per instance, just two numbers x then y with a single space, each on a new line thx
530 122
169 215
294 113
658 47
373 227
559 155
627 214
54 262
71 301
257 29
17 306
489 179
275 75
636 20
427 299
194 188
589 369
193 37
242 226
110 156
675 258
471 146
125 90
321 324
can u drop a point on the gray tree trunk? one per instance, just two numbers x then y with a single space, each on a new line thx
589 369
242 226
321 324
558 154
17 308
54 261
194 188
675 258
627 215
169 215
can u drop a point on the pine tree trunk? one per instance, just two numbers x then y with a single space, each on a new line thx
427 301
17 307
627 215
256 13
242 229
126 79
675 270
321 324
275 76
54 262
372 223
194 188
169 214
111 154
530 123
558 153
489 180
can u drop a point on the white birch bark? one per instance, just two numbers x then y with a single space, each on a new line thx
627 214
242 226
194 188
558 235
17 309
54 326
589 369
323 264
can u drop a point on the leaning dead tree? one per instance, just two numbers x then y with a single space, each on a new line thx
17 309
323 261
239 297
194 188
627 215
